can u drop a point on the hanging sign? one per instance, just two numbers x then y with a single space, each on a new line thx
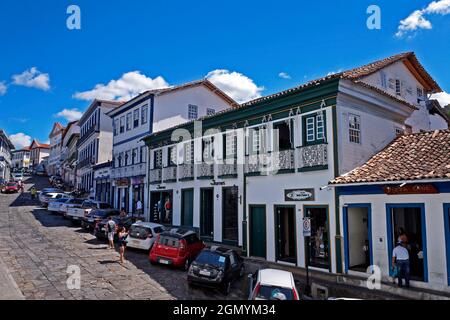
299 195
307 227
411 189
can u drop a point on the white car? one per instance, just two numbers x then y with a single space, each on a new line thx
55 206
142 235
273 284
18 177
78 213
71 203
51 197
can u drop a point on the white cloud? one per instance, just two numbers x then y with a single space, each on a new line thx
284 75
238 86
3 88
443 98
20 140
32 78
334 72
69 114
126 87
417 19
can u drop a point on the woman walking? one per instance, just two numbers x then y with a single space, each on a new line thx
122 233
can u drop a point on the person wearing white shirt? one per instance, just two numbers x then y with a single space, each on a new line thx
139 207
400 259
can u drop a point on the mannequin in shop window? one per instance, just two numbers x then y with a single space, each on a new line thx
168 209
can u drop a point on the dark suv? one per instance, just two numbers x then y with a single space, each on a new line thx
217 267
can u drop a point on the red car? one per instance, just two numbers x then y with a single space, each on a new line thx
10 187
176 248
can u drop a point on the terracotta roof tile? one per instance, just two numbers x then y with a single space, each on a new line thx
421 156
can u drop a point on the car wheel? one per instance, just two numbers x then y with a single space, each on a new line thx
241 271
186 265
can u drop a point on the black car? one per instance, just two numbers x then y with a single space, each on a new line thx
100 231
216 267
97 216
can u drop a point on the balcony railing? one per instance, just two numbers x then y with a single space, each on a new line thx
228 169
186 171
170 174
257 163
156 176
283 160
313 156
205 170
129 171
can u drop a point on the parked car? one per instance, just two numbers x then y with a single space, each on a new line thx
55 206
176 248
77 214
10 187
96 216
217 267
273 284
142 235
52 196
71 203
3 182
100 231
18 177
47 191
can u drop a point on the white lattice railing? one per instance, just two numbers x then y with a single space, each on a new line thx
313 156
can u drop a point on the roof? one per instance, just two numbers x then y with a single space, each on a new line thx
39 145
57 128
98 102
420 156
435 108
355 75
162 91
6 139
275 277
66 129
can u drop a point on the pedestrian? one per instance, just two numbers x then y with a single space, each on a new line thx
111 230
123 213
123 234
167 208
139 208
400 261
33 193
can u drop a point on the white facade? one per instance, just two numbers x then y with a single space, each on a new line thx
69 154
21 159
148 113
436 210
38 153
5 156
54 158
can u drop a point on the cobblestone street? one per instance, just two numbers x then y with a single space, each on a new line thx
37 249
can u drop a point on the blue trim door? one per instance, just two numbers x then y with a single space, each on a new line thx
346 233
390 232
447 237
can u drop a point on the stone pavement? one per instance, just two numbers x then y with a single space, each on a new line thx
37 249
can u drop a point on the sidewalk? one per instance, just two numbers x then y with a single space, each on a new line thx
8 287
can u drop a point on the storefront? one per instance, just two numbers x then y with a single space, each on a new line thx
122 199
102 182
161 205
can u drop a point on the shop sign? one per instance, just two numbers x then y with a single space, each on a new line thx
411 189
307 227
299 195
122 183
137 181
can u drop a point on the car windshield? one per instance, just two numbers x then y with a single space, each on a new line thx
104 206
211 258
158 230
76 201
169 241
139 232
275 293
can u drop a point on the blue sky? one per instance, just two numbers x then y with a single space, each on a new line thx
174 41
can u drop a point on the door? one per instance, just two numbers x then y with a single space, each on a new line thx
286 246
447 237
187 207
207 213
230 207
319 246
258 244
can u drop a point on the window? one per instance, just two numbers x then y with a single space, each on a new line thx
399 131
230 146
122 124
398 87
143 154
189 152
116 127
157 161
256 140
420 95
383 79
129 116
136 118
144 114
172 156
134 156
354 127
210 111
208 149
283 135
192 112
314 128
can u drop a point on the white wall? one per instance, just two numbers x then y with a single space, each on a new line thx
437 266
358 233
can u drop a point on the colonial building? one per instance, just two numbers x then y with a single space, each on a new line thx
21 158
54 158
102 182
38 152
153 111
5 155
95 143
248 176
404 189
69 154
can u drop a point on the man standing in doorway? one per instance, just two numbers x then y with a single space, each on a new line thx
400 260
